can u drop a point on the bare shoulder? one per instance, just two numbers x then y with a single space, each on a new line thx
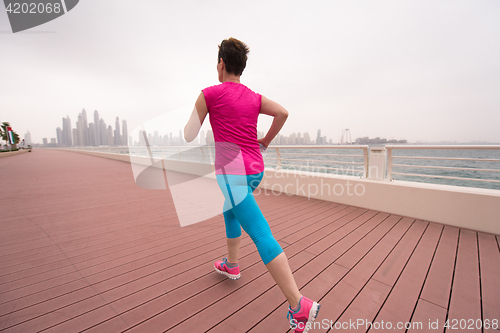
201 105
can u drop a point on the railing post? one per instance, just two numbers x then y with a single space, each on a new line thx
377 163
210 155
202 154
179 150
278 159
389 163
365 161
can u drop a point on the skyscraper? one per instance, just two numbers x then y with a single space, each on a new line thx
125 133
81 131
102 132
307 139
181 139
156 139
117 140
59 136
141 141
75 136
97 128
210 138
85 126
66 132
203 139
92 134
27 138
300 139
109 135
318 137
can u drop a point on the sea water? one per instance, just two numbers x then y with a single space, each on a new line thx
349 162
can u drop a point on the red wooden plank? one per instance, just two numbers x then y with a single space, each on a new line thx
428 318
366 243
348 288
100 254
104 236
128 221
348 233
342 293
119 251
157 305
134 263
390 270
104 239
277 322
489 259
358 315
399 306
104 295
437 286
465 301
235 300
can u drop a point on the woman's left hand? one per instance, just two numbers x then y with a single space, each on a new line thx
263 142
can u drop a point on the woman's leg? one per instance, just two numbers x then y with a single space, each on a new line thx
233 233
246 211
233 249
233 228
282 274
255 225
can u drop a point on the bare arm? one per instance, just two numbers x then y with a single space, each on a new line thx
280 115
196 120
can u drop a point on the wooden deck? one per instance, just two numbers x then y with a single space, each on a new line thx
83 248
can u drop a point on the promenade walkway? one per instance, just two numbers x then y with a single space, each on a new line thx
83 248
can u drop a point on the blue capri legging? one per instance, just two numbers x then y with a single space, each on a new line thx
241 210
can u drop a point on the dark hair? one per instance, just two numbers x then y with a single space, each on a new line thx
234 53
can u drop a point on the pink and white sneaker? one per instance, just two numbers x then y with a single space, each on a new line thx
302 320
231 272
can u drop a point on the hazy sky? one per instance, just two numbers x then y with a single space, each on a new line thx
418 70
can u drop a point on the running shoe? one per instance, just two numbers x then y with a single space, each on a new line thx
302 320
231 272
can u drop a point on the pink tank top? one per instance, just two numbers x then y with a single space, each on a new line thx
233 112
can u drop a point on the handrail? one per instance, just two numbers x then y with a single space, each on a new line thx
445 177
280 157
442 147
445 168
450 158
390 161
283 161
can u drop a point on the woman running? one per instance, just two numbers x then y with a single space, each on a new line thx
233 112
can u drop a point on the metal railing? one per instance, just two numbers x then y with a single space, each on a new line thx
279 157
391 164
284 158
327 158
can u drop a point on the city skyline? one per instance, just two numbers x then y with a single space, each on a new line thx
87 133
416 70
103 135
